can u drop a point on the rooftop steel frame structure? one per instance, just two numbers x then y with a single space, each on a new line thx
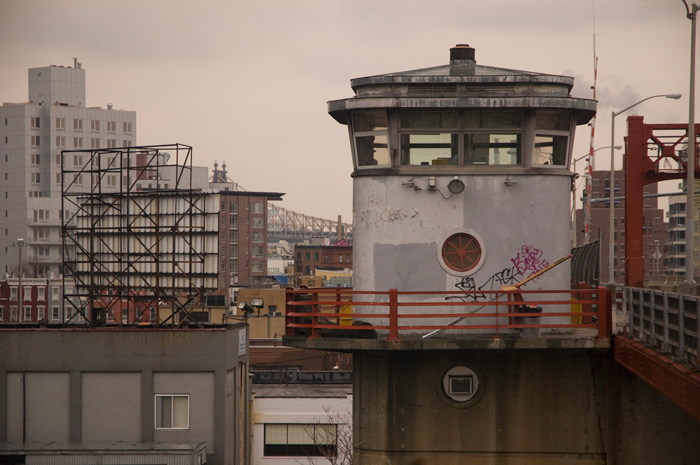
136 235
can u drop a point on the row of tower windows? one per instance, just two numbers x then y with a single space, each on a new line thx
78 125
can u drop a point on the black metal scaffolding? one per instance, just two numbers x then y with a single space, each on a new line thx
138 239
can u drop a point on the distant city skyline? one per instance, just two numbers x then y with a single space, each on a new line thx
247 83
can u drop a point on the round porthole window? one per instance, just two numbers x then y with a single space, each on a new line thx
461 386
461 253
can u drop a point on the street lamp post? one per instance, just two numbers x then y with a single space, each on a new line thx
692 152
611 233
573 190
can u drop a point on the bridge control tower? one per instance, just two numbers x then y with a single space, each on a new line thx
461 188
461 175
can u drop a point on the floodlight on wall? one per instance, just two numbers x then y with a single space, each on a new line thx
246 308
456 185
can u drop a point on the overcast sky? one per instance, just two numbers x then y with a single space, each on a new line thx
246 82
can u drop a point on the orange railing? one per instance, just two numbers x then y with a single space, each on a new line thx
311 312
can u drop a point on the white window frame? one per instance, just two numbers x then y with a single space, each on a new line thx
159 424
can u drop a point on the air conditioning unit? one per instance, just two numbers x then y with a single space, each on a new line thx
231 312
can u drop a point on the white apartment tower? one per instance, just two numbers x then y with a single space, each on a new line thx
32 136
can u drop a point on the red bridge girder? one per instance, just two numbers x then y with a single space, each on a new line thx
653 153
678 383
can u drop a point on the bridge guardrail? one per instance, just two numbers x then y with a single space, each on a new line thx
323 311
666 321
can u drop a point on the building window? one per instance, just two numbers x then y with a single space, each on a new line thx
316 256
60 123
95 143
78 142
127 128
36 141
325 258
125 316
552 129
258 237
41 313
13 312
111 126
152 314
172 411
300 440
257 222
111 143
257 252
36 123
371 139
430 138
95 125
36 159
60 141
258 207
36 178
54 314
27 313
78 124
257 267
340 258
13 293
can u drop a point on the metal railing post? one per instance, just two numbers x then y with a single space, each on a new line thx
289 297
393 315
630 311
314 316
681 326
652 317
665 345
604 308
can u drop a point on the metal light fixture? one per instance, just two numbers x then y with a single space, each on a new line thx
455 186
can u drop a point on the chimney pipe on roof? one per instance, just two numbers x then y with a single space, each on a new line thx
462 59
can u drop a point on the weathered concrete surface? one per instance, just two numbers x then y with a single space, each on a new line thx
536 407
579 339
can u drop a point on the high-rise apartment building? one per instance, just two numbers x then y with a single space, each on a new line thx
32 136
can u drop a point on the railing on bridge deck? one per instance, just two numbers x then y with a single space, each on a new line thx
665 321
325 311
661 344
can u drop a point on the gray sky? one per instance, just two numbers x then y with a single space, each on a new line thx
247 81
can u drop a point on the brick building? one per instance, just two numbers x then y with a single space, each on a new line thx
309 257
243 238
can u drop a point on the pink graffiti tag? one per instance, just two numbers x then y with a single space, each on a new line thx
529 260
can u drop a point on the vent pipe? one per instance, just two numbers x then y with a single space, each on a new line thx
462 59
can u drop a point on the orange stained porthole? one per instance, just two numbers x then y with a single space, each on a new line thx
461 252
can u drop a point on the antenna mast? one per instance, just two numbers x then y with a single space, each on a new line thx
591 156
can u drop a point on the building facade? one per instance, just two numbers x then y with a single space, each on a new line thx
32 136
243 238
309 257
82 391
655 227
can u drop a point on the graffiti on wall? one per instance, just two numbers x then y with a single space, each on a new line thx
528 261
